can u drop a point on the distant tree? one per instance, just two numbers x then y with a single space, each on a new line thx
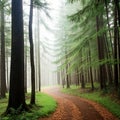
38 46
25 60
95 51
16 93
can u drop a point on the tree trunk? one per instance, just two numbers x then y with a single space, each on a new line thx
7 73
67 78
101 55
63 78
39 64
77 76
25 71
32 101
115 48
117 6
3 76
82 81
90 69
16 93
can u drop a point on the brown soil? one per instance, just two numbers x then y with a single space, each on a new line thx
76 108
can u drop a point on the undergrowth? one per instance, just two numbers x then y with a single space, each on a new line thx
45 105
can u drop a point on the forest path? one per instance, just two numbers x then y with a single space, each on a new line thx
76 108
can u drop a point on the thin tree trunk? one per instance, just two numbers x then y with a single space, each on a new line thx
7 73
63 77
115 48
39 64
77 80
82 81
90 69
107 14
25 71
36 50
82 78
32 101
67 78
3 71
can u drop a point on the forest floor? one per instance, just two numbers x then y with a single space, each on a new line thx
76 108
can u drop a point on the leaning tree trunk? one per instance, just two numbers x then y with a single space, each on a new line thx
32 101
3 76
16 93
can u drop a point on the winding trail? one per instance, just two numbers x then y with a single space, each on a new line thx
76 108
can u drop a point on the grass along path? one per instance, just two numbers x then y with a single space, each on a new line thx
111 104
45 105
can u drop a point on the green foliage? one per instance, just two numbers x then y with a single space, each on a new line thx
44 106
78 35
110 103
39 4
3 105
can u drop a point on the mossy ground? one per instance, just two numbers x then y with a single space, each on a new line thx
45 105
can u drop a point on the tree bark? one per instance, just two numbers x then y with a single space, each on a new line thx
101 55
32 101
90 68
115 48
117 5
16 93
3 71
39 63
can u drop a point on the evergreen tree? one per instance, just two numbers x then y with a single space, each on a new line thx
16 93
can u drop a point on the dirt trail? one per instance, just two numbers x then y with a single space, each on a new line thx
76 108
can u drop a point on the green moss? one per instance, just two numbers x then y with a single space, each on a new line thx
45 105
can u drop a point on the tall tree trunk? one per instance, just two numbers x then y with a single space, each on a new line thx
25 70
0 68
90 69
66 70
36 53
58 77
101 54
25 61
32 101
115 48
117 5
7 72
108 23
3 76
77 76
82 81
63 74
67 77
16 93
39 64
